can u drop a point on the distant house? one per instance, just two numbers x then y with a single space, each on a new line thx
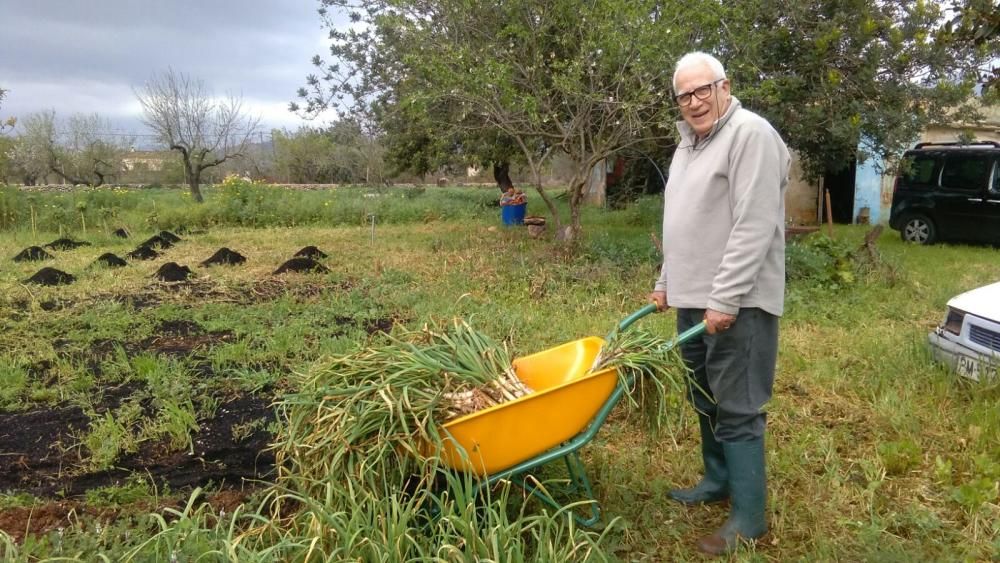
146 160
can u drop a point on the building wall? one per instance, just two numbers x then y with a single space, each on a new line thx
870 203
801 197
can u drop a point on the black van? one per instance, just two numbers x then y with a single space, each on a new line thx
948 191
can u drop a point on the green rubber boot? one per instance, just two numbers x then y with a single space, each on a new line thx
714 486
748 493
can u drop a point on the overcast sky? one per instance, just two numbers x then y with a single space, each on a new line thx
85 56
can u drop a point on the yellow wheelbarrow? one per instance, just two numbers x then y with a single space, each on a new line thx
567 407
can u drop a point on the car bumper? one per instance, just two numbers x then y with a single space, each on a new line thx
966 362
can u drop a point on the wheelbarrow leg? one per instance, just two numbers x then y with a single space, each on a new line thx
579 484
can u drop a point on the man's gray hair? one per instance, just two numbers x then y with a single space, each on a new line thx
698 58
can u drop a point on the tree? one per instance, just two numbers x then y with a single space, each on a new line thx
10 121
30 154
7 166
593 79
358 155
978 22
846 79
302 157
187 118
342 153
587 79
78 150
85 155
416 144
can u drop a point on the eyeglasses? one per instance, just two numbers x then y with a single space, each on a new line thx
701 92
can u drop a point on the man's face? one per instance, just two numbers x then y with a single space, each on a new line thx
701 115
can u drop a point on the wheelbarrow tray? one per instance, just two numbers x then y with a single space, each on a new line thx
565 398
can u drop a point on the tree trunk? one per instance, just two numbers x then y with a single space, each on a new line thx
576 187
194 179
501 173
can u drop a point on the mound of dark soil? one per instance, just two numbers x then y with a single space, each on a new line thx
169 237
310 252
32 253
66 244
121 233
225 256
109 260
156 241
301 265
142 253
51 276
172 272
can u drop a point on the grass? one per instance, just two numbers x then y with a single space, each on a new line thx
874 452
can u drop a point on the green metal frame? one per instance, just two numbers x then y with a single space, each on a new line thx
579 483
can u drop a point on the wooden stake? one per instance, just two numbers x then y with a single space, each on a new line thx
829 214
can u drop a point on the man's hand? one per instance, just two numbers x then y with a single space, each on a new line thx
716 322
660 298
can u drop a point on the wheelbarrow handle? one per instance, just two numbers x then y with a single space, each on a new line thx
630 320
681 338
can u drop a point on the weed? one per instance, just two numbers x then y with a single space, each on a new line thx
134 490
108 437
899 457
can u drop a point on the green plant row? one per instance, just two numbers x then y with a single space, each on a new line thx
234 203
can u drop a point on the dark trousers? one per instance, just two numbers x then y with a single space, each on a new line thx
732 373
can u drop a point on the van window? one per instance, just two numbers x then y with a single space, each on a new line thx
918 169
967 172
995 186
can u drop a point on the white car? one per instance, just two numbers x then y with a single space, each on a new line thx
969 339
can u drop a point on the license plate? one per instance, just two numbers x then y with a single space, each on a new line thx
968 367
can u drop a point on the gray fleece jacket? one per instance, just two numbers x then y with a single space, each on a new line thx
724 217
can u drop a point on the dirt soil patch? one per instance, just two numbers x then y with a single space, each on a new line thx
40 457
32 253
181 338
225 256
310 252
121 233
48 516
109 260
66 244
51 276
173 272
301 265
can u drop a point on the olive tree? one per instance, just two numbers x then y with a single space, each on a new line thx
186 117
584 79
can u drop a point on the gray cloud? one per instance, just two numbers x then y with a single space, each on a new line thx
86 56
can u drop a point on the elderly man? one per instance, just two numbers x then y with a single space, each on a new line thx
724 264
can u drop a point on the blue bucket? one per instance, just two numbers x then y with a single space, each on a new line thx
513 214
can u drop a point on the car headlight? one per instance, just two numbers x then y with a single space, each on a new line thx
953 322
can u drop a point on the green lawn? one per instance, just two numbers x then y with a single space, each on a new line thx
874 452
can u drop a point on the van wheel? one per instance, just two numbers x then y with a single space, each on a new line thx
918 229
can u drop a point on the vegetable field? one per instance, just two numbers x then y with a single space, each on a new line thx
140 418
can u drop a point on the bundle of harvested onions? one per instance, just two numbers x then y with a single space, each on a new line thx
357 423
